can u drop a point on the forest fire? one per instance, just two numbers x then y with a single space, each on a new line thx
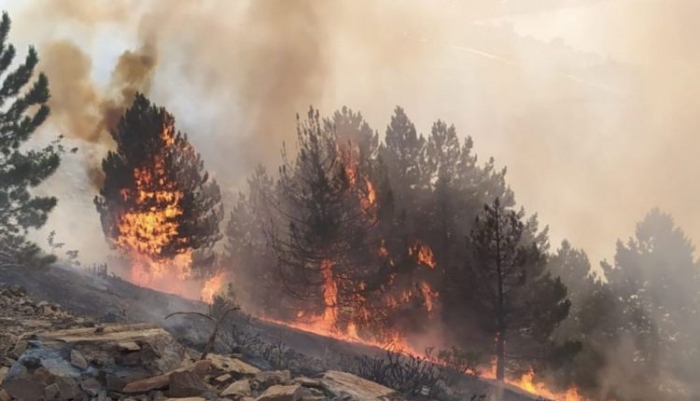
144 232
212 287
147 211
423 254
396 342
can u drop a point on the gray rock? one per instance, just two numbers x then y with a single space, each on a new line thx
51 392
78 360
18 350
49 359
91 386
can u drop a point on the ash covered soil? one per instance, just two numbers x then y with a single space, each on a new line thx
67 334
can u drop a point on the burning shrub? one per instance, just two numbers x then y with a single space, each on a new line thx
157 204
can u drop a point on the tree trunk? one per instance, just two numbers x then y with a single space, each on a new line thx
500 356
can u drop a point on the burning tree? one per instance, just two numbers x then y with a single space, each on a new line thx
521 299
157 204
323 251
24 110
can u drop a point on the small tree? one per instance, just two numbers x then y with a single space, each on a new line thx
24 109
521 301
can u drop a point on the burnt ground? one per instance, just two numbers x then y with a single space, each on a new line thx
110 299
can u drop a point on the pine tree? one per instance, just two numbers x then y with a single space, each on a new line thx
521 301
404 153
247 254
321 241
591 323
24 109
656 279
156 170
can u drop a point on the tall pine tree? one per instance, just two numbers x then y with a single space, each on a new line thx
24 109
522 303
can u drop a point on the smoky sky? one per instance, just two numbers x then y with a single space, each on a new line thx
594 115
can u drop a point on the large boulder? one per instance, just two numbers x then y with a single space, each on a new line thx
68 358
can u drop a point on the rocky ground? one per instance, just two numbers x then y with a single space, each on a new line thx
49 354
108 340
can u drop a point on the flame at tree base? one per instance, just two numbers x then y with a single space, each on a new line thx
175 277
317 324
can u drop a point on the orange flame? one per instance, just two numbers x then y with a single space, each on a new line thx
428 295
330 295
423 254
145 233
212 287
370 199
528 382
368 196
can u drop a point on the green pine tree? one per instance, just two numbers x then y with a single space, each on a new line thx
521 302
24 109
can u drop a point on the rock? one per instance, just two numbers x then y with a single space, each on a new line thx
78 360
202 367
223 378
267 379
68 389
51 392
7 362
49 359
305 397
159 382
26 381
237 389
311 394
4 396
186 384
232 365
128 346
157 396
308 382
281 393
3 372
91 386
187 399
314 392
340 383
18 350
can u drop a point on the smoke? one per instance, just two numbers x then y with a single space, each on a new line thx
592 141
80 109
